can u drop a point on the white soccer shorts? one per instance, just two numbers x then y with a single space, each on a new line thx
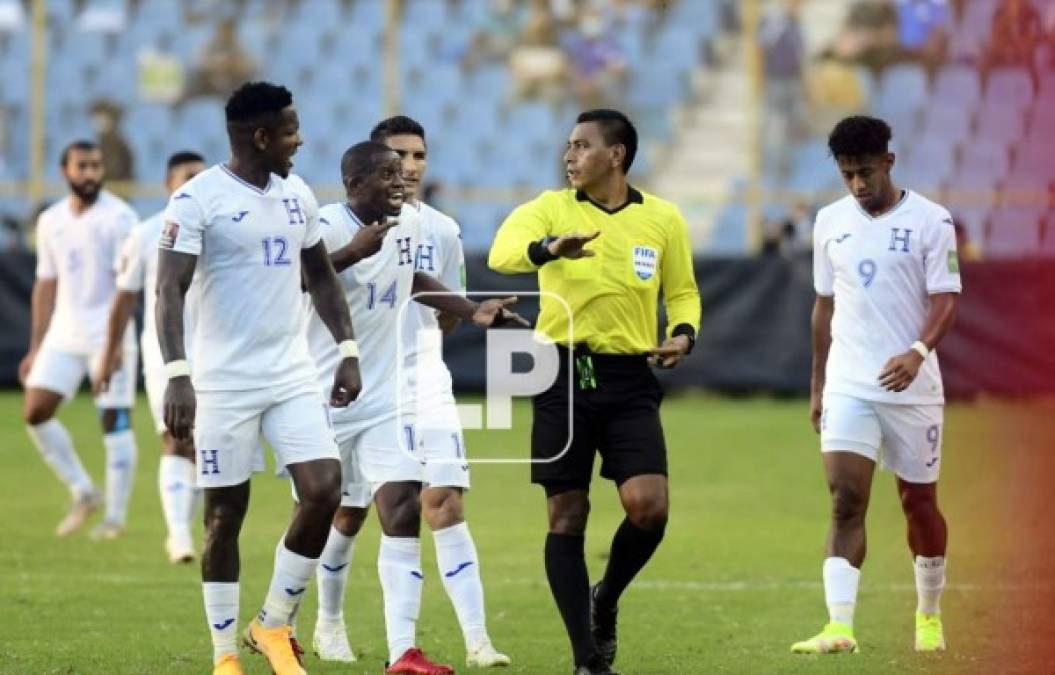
62 372
383 452
228 425
903 438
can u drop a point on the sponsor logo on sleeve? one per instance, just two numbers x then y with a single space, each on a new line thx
954 263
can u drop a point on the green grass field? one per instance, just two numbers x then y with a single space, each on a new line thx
735 582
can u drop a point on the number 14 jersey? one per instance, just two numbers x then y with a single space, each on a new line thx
881 272
377 290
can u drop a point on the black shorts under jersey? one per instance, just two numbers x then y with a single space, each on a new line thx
615 412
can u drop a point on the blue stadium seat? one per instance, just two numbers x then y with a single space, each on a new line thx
984 157
1000 123
928 166
958 84
947 121
902 88
677 47
729 236
974 219
1009 87
1014 232
424 14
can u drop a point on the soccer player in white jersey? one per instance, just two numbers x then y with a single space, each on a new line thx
887 280
78 240
248 233
382 458
440 254
137 273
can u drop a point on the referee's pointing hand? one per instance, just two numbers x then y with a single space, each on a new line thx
571 245
670 353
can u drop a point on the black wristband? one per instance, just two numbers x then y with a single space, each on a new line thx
686 330
539 253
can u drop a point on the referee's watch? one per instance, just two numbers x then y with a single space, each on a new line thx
688 331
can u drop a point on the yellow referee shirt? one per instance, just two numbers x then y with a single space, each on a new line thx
643 249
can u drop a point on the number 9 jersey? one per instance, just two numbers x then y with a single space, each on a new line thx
881 272
249 332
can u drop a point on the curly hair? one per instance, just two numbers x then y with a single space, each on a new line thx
859 136
255 100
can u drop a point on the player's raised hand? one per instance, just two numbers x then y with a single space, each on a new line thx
670 353
571 245
179 407
493 313
347 383
900 371
108 365
368 239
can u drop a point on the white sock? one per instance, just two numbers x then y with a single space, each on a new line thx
120 473
840 589
176 485
930 582
332 575
399 567
460 572
56 447
221 611
288 583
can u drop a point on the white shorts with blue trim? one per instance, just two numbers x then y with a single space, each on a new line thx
903 438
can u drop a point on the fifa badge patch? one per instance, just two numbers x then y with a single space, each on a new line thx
169 234
645 260
954 263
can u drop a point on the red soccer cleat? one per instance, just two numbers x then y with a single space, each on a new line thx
414 662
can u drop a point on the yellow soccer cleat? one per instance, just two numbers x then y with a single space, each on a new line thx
228 665
929 634
274 644
835 638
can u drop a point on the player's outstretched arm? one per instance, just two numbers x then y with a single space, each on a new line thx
175 271
120 312
901 370
321 281
821 331
429 291
41 308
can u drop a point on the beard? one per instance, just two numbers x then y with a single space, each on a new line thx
88 191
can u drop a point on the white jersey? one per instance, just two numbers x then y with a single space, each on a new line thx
881 272
440 255
137 271
376 290
249 332
81 252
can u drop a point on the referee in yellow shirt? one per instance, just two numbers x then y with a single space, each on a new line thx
608 250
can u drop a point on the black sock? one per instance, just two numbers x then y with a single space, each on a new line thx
570 584
631 549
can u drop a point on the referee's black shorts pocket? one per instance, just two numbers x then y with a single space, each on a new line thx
562 447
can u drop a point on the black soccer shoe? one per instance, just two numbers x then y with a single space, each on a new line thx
602 624
595 666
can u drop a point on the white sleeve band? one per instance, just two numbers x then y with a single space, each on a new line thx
349 349
921 348
178 368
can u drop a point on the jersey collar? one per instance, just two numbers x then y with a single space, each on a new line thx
905 193
245 183
632 197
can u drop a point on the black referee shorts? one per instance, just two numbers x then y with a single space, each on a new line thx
615 411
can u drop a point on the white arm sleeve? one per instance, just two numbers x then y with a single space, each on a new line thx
823 274
47 266
131 268
184 227
940 260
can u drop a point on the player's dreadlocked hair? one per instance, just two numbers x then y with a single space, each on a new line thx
397 126
361 158
255 100
859 136
616 129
